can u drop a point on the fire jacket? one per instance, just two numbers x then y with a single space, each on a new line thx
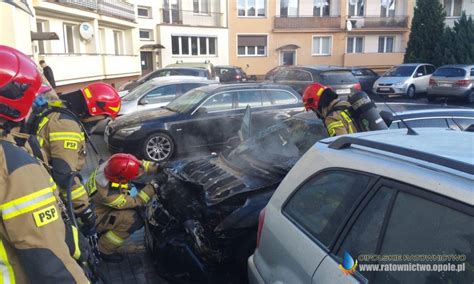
337 119
32 232
117 196
63 141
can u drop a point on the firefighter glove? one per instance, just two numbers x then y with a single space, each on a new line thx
88 218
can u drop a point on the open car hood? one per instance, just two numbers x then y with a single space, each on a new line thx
218 181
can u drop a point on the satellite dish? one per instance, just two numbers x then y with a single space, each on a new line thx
349 25
86 31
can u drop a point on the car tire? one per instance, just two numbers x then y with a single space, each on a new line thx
411 92
431 98
158 147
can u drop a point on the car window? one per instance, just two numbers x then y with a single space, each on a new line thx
299 75
219 102
418 226
358 72
252 98
420 70
363 236
161 73
450 72
368 72
282 75
400 71
323 202
281 97
472 72
464 122
425 122
161 94
187 72
266 99
189 86
430 69
338 78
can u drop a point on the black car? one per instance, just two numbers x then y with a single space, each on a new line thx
200 120
340 79
271 74
172 71
231 74
366 77
204 220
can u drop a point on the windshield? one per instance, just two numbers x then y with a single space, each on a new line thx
279 146
187 101
337 77
138 92
400 71
450 72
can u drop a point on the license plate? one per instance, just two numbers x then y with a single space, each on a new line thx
445 85
384 89
343 91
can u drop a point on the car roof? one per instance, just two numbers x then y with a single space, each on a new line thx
323 67
212 89
227 66
449 172
412 64
437 112
197 65
179 78
457 65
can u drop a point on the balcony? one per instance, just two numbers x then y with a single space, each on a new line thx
113 8
376 22
190 18
306 22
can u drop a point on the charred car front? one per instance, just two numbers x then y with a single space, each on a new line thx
203 223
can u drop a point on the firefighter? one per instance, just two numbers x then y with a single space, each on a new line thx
116 205
32 232
60 132
327 106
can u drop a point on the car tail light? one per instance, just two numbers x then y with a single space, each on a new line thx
462 82
357 86
432 82
261 220
237 77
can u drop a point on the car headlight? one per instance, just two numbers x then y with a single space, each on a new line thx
399 84
128 131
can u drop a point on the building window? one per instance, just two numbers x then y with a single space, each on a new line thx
193 45
252 45
40 27
252 8
453 8
144 12
288 8
69 38
386 44
321 8
387 8
171 12
118 42
146 34
356 7
322 45
355 44
201 6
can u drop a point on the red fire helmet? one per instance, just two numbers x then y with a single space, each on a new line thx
312 95
122 168
102 98
20 81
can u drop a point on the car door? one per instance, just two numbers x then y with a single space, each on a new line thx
384 233
421 79
158 97
369 79
298 236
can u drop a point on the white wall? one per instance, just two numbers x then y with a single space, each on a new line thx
15 27
371 43
222 57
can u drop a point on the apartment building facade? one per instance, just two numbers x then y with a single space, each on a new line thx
264 34
454 9
172 31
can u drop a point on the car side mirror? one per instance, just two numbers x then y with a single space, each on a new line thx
418 75
387 117
144 102
201 111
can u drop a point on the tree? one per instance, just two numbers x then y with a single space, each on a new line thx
463 40
427 27
444 50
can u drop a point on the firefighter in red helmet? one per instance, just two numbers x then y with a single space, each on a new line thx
59 126
32 246
116 200
327 106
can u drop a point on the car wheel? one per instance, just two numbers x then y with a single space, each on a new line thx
158 147
411 92
431 98
470 97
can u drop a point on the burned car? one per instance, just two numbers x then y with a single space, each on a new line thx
204 219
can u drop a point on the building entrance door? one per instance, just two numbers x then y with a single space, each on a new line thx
288 57
146 59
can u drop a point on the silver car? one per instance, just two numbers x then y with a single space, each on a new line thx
159 92
452 81
354 203
404 79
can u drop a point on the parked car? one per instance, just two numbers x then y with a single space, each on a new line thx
205 65
156 93
453 118
200 120
164 72
271 74
299 77
452 81
366 77
404 79
382 193
231 74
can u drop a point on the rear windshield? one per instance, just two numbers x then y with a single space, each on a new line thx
400 71
189 72
337 77
450 72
